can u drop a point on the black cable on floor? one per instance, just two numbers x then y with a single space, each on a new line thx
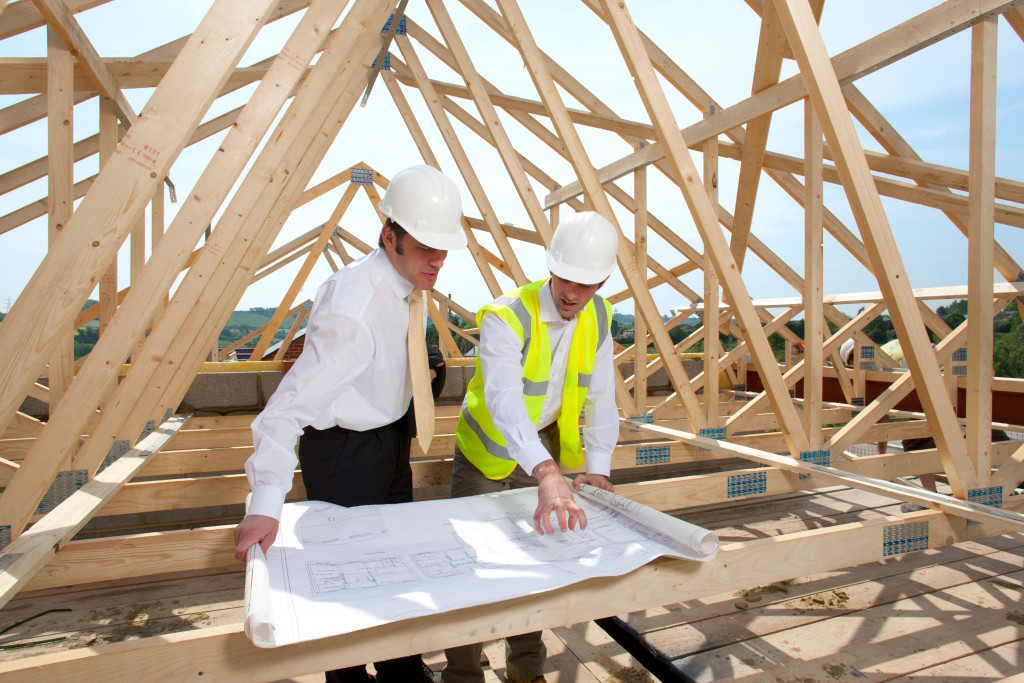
659 667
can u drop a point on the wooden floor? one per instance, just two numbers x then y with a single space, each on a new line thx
955 614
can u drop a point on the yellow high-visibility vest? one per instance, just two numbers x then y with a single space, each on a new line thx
478 438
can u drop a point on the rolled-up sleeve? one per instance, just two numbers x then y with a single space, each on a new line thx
500 361
601 424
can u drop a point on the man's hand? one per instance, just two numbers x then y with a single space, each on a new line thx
554 495
254 529
598 480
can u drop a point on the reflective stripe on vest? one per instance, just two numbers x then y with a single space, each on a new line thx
478 438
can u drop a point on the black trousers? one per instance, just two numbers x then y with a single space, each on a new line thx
350 468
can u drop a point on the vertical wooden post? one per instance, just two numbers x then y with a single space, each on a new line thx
712 345
824 91
814 319
639 324
156 227
60 134
859 377
981 238
109 135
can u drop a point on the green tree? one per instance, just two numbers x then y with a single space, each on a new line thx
1008 351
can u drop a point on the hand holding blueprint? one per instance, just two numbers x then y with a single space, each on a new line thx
334 570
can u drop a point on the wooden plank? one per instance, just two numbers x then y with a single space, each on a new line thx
61 19
712 344
86 561
57 289
97 372
428 157
980 255
814 317
30 551
489 116
224 653
24 16
640 219
60 146
825 93
953 506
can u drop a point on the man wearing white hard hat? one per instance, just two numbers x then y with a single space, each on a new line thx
348 395
545 355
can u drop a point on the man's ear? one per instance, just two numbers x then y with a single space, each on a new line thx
387 236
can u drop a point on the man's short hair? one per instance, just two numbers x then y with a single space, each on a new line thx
399 234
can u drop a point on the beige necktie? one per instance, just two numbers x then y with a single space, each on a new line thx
423 398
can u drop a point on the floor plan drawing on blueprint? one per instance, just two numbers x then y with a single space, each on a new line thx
334 570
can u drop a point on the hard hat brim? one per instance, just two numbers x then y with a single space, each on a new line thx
583 276
451 241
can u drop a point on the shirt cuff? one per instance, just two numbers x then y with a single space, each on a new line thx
267 500
529 458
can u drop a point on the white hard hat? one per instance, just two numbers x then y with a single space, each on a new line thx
583 248
426 203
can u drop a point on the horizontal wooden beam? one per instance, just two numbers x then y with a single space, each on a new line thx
1002 289
223 653
923 497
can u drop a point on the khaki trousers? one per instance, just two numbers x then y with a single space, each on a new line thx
524 654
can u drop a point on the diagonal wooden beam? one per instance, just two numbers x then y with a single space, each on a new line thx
175 350
770 48
475 250
705 218
824 90
433 102
489 116
29 553
63 22
945 503
56 291
580 160
305 269
165 264
913 35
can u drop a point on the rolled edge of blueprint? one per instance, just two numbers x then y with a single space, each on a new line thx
694 542
258 624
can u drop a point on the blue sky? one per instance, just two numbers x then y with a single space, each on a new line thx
925 97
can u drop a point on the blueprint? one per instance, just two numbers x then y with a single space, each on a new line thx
334 570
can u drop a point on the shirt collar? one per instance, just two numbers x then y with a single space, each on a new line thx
548 312
398 284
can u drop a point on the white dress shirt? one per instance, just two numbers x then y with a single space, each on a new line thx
500 361
353 372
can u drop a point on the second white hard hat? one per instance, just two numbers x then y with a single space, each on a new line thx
427 204
583 248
